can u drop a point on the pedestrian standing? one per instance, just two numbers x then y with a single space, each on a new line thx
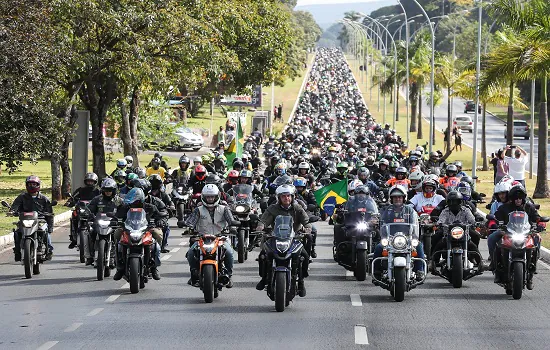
458 138
445 138
221 135
502 167
516 164
280 113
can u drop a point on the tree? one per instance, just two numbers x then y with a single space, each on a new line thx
446 76
420 68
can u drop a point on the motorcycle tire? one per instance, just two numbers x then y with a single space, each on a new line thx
517 280
361 265
36 269
81 237
208 283
428 247
180 215
457 271
399 275
28 258
280 291
100 262
134 277
240 246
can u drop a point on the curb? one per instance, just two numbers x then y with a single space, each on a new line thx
304 82
8 239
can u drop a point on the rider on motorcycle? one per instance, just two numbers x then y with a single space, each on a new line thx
32 200
501 195
121 164
158 192
450 181
120 178
232 180
304 171
130 177
208 218
85 193
286 206
180 175
427 200
197 181
397 211
400 178
156 168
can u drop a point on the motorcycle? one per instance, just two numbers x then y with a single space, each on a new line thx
282 250
181 197
34 239
244 209
456 265
213 275
103 228
519 253
82 234
426 232
353 241
399 241
137 243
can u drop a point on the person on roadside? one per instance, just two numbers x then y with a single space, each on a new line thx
501 167
221 136
457 132
516 164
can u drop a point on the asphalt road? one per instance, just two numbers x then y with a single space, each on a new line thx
66 308
495 129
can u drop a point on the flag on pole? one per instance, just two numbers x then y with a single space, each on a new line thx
235 148
329 196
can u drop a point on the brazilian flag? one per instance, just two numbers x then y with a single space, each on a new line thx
329 196
235 148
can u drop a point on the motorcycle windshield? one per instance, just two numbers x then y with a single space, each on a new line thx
518 222
136 219
390 230
282 227
283 179
242 194
358 205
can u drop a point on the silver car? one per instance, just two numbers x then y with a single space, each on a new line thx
464 122
520 129
188 139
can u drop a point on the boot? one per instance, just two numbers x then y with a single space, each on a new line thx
229 284
89 261
194 280
261 284
301 288
313 253
72 245
155 273
17 253
119 270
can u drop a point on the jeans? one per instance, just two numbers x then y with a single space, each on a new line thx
165 234
194 263
492 241
417 264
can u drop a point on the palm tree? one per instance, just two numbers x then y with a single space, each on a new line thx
420 67
447 76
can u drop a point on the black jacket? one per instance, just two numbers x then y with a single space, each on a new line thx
101 204
42 204
504 210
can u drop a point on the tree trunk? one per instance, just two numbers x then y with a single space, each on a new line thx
70 119
510 117
419 135
129 133
56 176
541 188
484 138
449 118
412 101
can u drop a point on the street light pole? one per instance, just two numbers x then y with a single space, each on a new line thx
407 68
478 69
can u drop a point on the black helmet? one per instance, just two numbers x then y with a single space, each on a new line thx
454 200
517 192
155 163
156 181
90 180
184 159
109 185
238 165
158 155
213 179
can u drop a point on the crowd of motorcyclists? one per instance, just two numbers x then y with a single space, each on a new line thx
332 137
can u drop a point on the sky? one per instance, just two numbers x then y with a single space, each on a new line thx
323 2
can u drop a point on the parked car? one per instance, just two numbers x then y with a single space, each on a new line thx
520 129
464 122
470 106
188 139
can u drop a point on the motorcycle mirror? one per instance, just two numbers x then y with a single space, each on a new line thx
482 195
54 203
5 204
544 219
68 195
313 219
537 206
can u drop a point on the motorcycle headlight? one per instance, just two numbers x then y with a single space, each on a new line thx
135 236
362 226
518 238
240 209
457 232
81 210
103 223
27 223
414 242
282 246
399 242
208 247
384 242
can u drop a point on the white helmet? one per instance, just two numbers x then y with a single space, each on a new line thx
420 149
354 184
285 189
129 160
197 159
303 165
397 190
504 186
210 190
418 176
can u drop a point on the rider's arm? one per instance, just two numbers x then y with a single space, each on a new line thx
266 220
192 220
17 205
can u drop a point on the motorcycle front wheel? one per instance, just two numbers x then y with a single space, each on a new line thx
100 263
81 238
27 258
280 291
517 282
457 271
399 275
208 283
240 246
361 265
134 277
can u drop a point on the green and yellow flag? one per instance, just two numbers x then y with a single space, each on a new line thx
235 148
329 196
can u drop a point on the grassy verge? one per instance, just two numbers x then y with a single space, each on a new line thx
485 178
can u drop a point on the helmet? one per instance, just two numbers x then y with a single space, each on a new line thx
32 183
134 196
363 174
210 195
359 164
158 155
285 189
383 161
401 171
213 179
121 163
280 169
370 160
353 185
247 174
362 189
184 159
304 165
517 192
238 164
503 186
394 165
458 164
155 163
156 181
467 179
413 159
129 160
465 189
120 176
351 150
451 169
397 191
428 181
233 175
109 185
416 176
90 180
300 182
197 160
140 173
130 177
434 156
200 172
454 200
420 149
221 158
342 167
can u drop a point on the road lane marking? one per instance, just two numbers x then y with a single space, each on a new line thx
126 285
95 311
356 300
182 243
73 327
349 275
166 257
112 298
47 345
175 250
361 335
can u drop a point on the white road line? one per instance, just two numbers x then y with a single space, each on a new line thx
166 257
175 250
182 243
349 275
95 311
47 345
112 298
73 327
356 300
126 285
361 335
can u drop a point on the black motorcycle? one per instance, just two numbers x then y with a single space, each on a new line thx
244 208
180 196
